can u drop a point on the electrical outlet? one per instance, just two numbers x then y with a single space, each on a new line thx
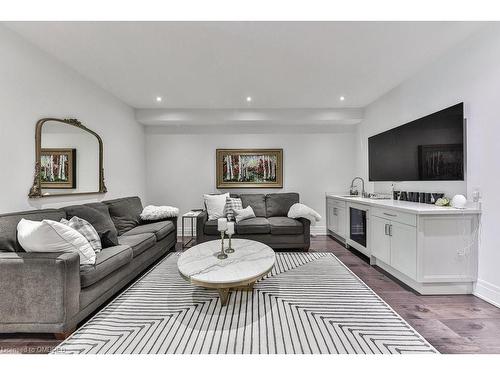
476 195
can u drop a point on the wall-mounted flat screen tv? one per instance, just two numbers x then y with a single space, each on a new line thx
428 149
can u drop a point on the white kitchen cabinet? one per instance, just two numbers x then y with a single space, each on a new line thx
336 218
433 254
341 217
429 248
394 244
380 241
403 248
331 222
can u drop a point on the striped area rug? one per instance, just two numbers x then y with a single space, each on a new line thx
309 303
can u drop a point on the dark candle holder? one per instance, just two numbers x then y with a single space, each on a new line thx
229 250
222 254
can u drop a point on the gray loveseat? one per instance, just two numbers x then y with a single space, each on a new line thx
270 226
51 292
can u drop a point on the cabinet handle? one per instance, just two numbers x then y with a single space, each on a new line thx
390 230
387 214
385 230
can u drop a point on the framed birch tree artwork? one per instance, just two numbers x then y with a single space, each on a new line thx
58 168
249 168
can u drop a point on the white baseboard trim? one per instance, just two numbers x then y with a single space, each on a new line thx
488 292
315 230
318 230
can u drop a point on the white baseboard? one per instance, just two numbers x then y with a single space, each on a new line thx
318 230
315 230
488 292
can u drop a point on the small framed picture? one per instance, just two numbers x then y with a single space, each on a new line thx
249 168
58 168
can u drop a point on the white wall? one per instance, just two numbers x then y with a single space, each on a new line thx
470 73
34 85
181 167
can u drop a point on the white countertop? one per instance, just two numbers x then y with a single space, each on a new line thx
411 207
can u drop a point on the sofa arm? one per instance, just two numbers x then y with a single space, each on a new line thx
38 289
201 219
307 230
174 220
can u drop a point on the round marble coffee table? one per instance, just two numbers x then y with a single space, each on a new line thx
250 261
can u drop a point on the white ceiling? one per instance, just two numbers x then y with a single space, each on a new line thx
219 64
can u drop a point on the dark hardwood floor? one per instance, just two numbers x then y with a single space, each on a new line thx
453 324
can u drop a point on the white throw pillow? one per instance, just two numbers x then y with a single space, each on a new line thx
158 212
243 214
49 236
86 230
215 205
301 210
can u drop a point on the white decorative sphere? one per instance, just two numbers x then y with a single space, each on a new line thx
458 201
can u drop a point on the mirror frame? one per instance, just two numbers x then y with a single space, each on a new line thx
36 189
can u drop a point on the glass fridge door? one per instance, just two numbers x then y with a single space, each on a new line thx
358 226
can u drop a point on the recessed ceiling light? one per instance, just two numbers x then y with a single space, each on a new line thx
342 98
249 99
158 99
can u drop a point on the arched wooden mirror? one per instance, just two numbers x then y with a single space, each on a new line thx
68 159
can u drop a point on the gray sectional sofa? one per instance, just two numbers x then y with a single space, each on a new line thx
270 226
51 292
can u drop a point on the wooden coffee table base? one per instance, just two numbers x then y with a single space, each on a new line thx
224 292
224 296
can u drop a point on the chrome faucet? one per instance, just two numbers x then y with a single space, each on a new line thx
355 192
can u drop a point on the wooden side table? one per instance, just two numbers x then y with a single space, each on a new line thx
191 215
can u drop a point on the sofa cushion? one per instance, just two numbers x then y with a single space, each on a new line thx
256 201
125 213
256 225
160 229
107 261
211 227
285 225
279 204
97 214
8 226
138 242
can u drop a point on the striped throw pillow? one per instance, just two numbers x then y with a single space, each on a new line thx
231 205
86 229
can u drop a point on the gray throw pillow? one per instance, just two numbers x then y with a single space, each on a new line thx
96 214
125 213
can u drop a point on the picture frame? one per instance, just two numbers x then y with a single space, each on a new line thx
249 168
58 168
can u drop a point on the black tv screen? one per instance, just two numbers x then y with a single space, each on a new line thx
428 149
